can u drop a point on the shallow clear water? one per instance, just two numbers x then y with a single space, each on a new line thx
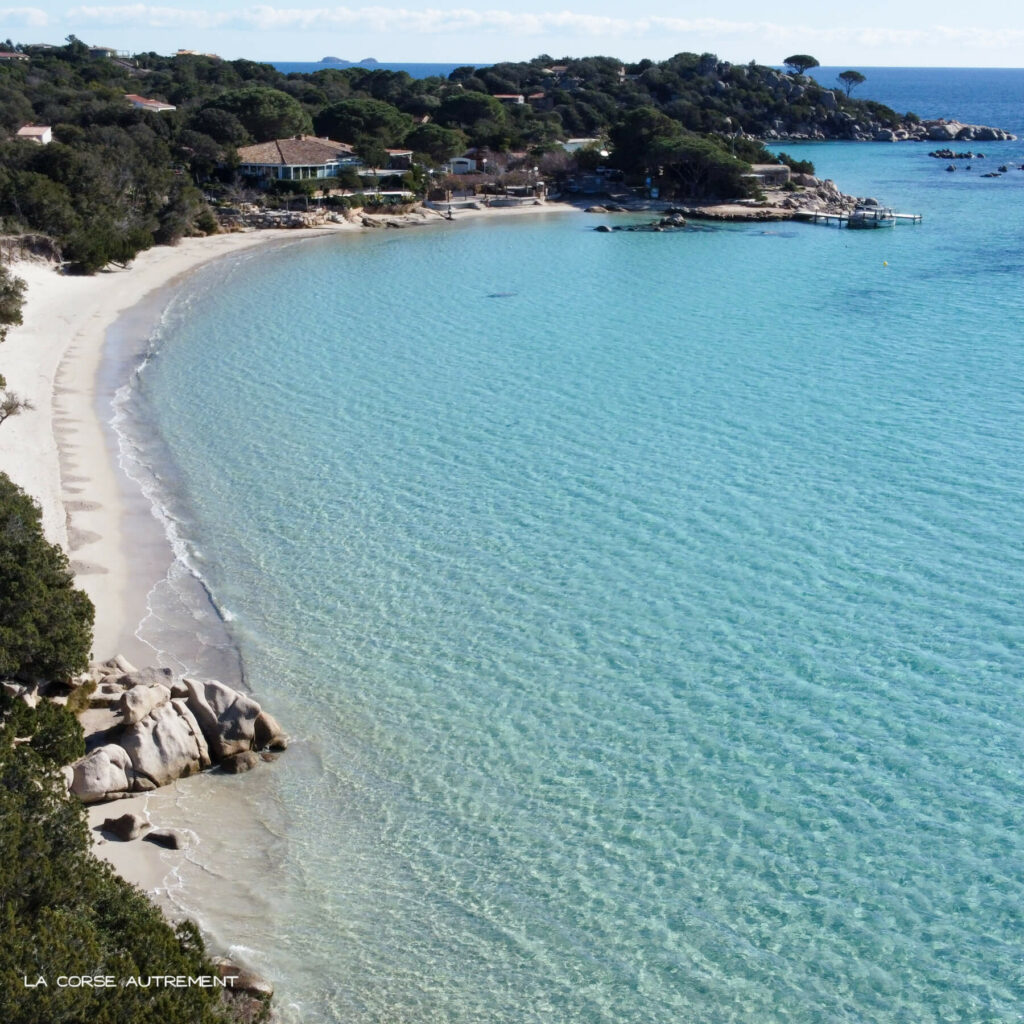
645 607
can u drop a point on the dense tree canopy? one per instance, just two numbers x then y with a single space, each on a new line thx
12 297
361 121
45 623
437 144
264 113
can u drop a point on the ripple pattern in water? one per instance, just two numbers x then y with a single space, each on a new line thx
651 634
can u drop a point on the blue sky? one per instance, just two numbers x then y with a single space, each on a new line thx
983 33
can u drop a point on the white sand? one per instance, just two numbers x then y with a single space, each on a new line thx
59 451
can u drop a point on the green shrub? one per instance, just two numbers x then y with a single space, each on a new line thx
12 298
796 166
78 699
45 623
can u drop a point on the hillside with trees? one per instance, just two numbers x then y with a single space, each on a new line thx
118 178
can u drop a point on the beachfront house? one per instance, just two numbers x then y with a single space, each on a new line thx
460 165
297 159
769 175
41 133
141 103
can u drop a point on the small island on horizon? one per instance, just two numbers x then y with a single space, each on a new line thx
366 62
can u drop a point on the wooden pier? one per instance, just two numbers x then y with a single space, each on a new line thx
841 219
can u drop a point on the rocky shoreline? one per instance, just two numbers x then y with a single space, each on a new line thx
938 130
144 728
813 195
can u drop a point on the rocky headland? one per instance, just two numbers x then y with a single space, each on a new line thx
817 113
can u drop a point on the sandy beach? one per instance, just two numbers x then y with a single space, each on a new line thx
61 452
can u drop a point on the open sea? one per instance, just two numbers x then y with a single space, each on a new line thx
645 608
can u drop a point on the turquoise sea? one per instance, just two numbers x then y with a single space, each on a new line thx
645 608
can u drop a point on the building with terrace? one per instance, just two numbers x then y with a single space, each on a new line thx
296 159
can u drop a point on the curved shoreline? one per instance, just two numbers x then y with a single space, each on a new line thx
65 454
60 451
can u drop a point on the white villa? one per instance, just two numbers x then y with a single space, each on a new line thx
296 159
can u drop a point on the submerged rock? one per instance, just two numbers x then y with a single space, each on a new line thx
243 761
243 980
268 733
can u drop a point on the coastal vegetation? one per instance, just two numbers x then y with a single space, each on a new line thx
118 177
63 913
45 622
12 298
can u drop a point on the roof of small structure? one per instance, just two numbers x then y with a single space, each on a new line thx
143 101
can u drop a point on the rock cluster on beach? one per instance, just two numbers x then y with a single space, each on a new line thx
146 727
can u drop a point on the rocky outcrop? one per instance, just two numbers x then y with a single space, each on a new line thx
226 717
842 124
145 728
103 774
164 837
948 131
162 748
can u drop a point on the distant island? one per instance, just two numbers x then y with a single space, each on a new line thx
366 62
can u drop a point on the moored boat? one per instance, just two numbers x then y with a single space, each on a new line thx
872 217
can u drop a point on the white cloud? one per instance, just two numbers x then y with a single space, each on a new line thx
435 20
31 16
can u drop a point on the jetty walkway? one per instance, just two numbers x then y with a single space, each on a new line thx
840 219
